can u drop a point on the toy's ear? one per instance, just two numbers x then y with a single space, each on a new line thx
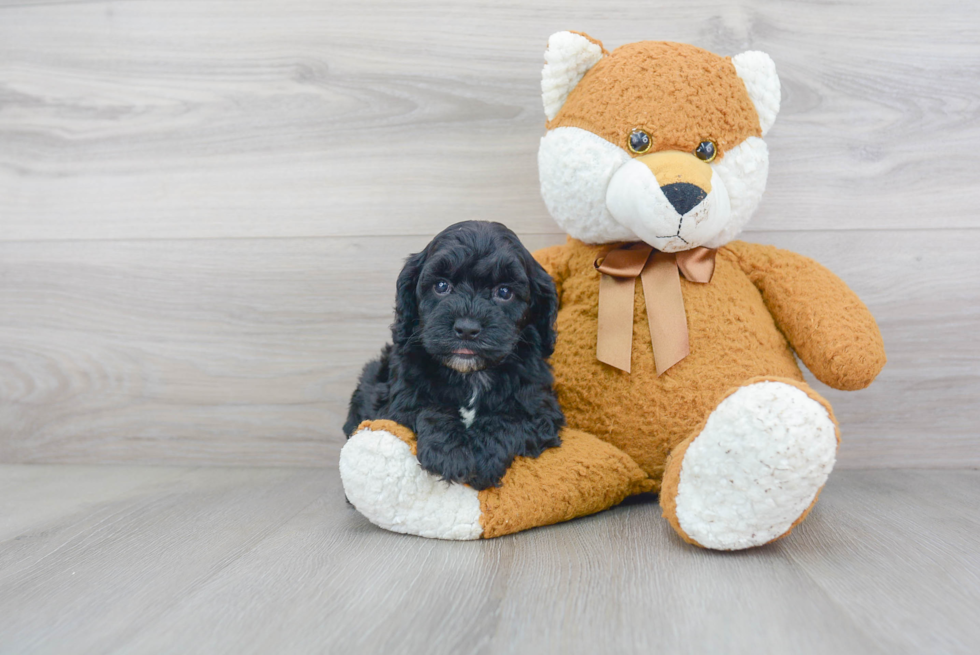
568 57
406 301
758 72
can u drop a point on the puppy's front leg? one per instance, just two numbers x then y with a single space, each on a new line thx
498 439
444 448
481 454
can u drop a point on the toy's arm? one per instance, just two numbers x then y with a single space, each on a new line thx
826 323
554 259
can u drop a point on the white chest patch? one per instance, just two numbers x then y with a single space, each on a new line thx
468 414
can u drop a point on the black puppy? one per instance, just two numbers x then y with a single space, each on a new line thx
468 371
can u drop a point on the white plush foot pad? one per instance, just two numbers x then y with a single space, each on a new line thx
387 485
762 457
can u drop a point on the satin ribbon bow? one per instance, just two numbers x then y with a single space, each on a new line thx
662 290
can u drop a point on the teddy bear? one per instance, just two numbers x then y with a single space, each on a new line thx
686 384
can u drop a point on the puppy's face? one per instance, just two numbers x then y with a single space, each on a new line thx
476 290
472 301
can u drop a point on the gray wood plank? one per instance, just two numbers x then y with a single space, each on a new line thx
33 495
922 519
627 583
262 560
246 351
346 587
230 119
201 352
924 408
102 572
616 582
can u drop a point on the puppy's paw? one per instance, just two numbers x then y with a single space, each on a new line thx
458 464
385 482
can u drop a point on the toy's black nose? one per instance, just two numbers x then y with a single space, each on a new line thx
684 196
467 328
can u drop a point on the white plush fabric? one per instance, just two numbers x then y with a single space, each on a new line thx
762 457
743 170
575 167
634 199
597 193
567 59
758 71
387 485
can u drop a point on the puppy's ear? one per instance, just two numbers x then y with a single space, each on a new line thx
406 301
544 305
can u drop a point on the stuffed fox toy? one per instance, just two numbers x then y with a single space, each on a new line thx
685 384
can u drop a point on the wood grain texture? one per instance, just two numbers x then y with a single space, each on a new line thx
148 544
246 351
265 560
303 118
221 352
203 205
929 526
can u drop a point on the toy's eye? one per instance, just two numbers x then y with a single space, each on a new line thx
640 141
706 151
442 287
503 293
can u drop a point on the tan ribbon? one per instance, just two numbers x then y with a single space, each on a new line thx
662 290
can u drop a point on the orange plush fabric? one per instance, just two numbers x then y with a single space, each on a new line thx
763 306
827 324
733 338
583 476
657 87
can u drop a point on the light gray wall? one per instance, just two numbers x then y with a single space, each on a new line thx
204 205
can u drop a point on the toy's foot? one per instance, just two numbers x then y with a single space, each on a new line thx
755 470
384 481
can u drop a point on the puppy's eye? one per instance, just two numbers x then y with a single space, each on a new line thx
442 288
640 141
706 151
503 293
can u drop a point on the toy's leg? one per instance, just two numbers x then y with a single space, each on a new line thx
582 476
755 469
384 481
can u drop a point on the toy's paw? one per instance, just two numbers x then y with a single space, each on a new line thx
755 469
384 481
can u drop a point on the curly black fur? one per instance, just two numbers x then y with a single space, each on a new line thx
474 327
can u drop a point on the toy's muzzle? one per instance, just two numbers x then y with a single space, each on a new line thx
684 179
666 198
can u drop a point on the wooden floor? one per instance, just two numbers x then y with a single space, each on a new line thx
113 559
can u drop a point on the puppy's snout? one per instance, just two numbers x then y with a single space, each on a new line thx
467 328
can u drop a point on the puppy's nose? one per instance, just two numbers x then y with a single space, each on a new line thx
467 328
